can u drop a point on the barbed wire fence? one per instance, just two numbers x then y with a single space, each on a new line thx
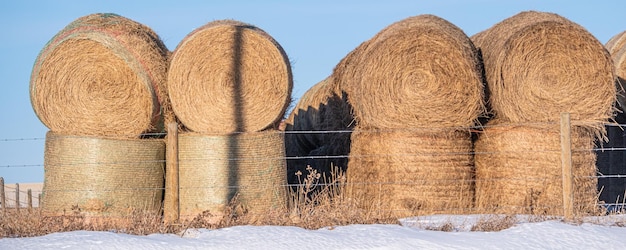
13 194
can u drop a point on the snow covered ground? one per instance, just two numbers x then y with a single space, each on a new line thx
596 233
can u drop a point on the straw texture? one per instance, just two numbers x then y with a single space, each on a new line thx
616 42
322 108
228 76
103 74
518 169
617 47
403 173
416 72
102 177
539 65
215 168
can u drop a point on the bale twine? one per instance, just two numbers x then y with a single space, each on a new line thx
403 173
103 74
322 108
213 169
519 170
416 72
539 65
228 76
102 177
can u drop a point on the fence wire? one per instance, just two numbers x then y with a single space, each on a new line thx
617 205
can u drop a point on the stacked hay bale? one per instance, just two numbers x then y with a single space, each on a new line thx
539 65
102 75
98 85
102 177
415 87
317 133
613 162
230 84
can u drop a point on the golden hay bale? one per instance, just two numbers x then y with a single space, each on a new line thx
213 169
103 74
310 106
539 65
416 72
228 76
403 173
102 177
519 170
616 42
322 108
617 47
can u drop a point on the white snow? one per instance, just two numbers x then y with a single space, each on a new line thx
595 233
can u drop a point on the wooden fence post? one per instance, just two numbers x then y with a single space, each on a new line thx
3 200
566 164
17 196
171 212
29 194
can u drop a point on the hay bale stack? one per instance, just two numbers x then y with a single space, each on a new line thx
420 72
103 177
539 65
102 75
230 84
228 76
519 170
401 173
213 169
417 72
322 108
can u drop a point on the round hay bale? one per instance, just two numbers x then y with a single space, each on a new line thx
617 48
616 42
539 65
322 108
103 74
416 72
214 169
402 173
102 177
228 76
519 170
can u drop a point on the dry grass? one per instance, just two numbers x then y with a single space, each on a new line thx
445 227
25 223
308 208
494 223
486 223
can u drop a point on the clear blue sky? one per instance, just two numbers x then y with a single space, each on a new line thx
315 34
